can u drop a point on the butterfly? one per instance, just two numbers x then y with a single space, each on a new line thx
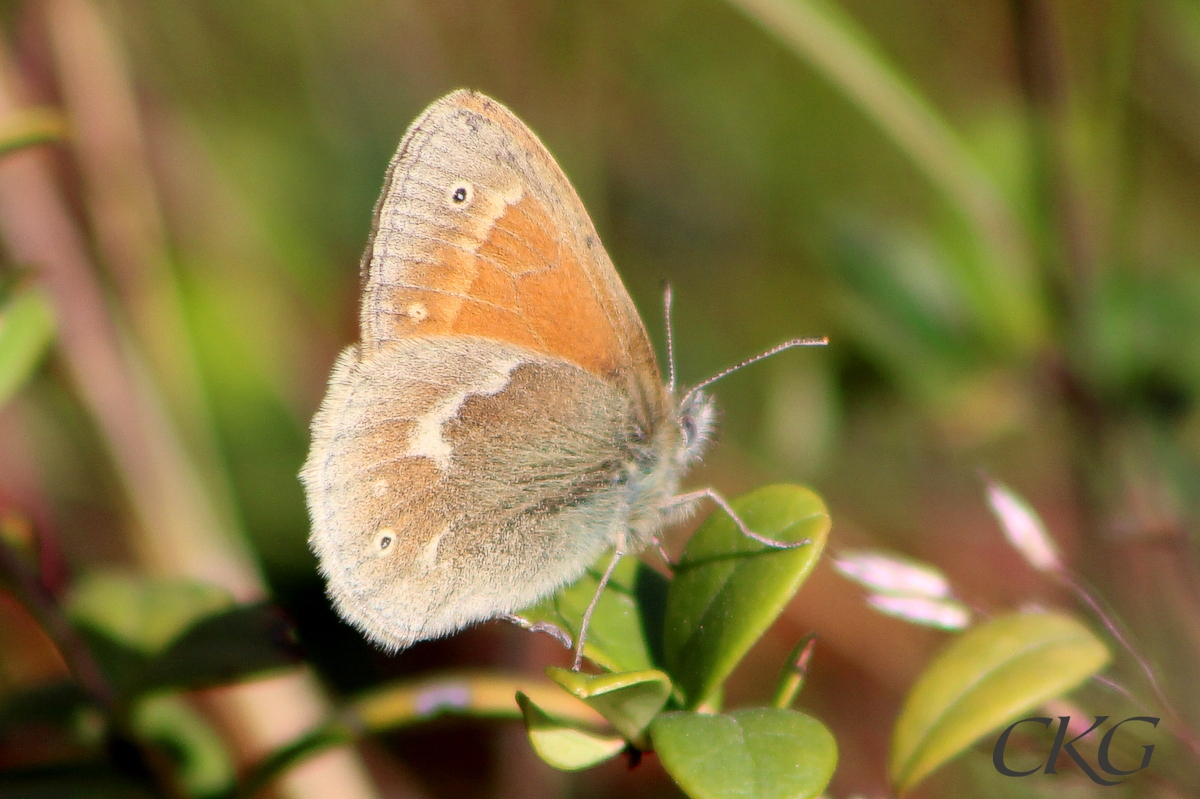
503 420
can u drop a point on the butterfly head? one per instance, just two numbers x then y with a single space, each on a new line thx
697 418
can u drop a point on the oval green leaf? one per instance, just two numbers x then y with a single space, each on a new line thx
629 700
988 677
760 753
26 330
729 588
566 747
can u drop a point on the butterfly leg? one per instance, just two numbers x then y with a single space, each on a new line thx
618 553
662 553
711 493
553 630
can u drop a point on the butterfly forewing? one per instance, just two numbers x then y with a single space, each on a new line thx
478 232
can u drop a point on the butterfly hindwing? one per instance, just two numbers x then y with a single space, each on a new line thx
452 480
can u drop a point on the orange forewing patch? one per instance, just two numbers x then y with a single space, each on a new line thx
522 286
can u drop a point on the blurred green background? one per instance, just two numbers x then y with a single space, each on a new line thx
992 209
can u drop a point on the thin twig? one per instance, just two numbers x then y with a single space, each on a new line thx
1178 726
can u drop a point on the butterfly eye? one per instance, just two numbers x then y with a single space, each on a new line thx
461 194
688 426
384 541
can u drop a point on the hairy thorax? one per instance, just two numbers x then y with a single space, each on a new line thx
659 465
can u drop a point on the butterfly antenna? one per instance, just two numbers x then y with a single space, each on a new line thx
670 336
787 345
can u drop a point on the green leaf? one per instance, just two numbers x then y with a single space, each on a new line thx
26 330
476 694
729 588
760 753
142 614
204 765
988 677
224 647
629 700
155 634
566 747
617 636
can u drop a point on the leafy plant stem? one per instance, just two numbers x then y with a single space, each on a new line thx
474 694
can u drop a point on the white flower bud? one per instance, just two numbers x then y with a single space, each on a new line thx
945 614
1023 528
891 574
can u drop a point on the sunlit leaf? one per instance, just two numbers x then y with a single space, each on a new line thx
795 672
476 694
988 677
729 588
566 747
761 753
628 700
